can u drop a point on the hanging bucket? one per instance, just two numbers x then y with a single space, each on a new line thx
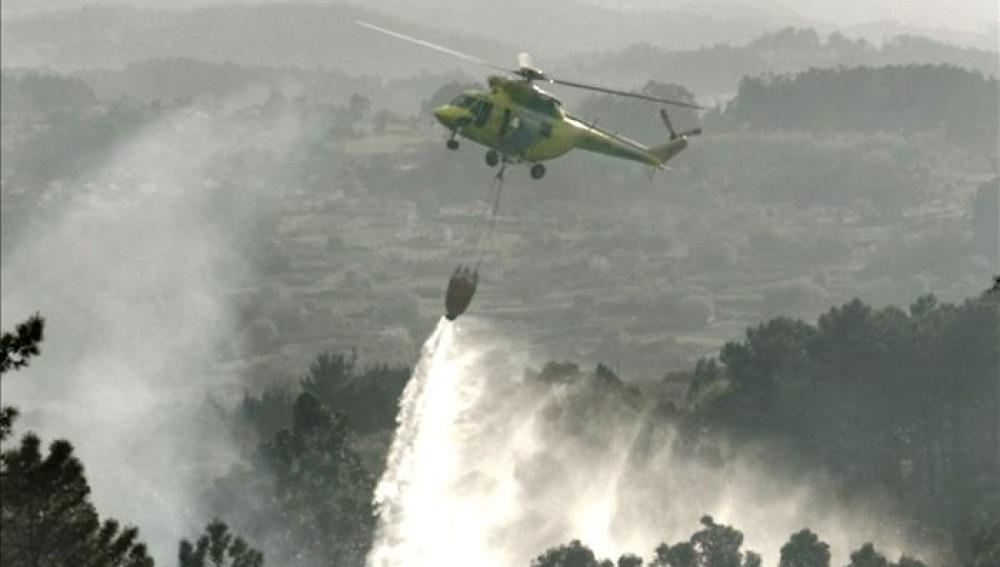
461 288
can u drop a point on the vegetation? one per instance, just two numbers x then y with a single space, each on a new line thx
805 549
853 394
17 348
218 548
718 68
872 100
906 400
309 490
48 519
718 545
824 389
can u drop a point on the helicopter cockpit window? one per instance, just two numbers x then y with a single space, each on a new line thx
463 101
543 106
481 110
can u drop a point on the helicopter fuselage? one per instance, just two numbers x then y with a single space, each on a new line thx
524 123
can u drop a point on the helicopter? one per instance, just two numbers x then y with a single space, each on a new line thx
520 123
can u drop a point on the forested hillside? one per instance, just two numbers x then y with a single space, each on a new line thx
904 400
953 102
717 69
894 402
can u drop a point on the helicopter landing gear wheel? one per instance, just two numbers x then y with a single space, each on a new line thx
537 171
452 144
492 158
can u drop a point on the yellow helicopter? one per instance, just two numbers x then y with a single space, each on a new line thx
520 122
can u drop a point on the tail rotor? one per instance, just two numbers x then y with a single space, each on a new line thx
666 122
670 127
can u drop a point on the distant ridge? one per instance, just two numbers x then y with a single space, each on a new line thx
302 35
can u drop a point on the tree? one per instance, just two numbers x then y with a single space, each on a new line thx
16 349
804 549
575 554
47 516
874 396
868 557
715 545
322 491
218 548
367 397
681 555
309 492
48 519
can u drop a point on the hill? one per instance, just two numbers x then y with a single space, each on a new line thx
717 69
961 104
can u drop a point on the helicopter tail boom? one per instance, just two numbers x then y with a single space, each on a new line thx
665 152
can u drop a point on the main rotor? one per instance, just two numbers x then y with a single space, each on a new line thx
525 70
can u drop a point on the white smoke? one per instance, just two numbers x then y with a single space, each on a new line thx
490 468
130 271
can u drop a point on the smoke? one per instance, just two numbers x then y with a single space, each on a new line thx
131 270
491 466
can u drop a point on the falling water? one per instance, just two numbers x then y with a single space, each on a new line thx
491 466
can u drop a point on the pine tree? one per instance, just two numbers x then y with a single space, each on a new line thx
47 517
805 549
16 349
218 548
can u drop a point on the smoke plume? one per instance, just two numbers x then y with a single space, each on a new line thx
131 270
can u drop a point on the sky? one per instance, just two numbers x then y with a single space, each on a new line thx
967 15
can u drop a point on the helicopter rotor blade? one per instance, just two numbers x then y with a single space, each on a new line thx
434 46
617 92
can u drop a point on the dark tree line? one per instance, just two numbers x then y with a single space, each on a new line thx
905 401
719 545
961 103
306 492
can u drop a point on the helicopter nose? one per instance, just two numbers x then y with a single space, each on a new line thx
448 115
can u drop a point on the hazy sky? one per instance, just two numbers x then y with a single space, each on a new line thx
971 15
962 14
